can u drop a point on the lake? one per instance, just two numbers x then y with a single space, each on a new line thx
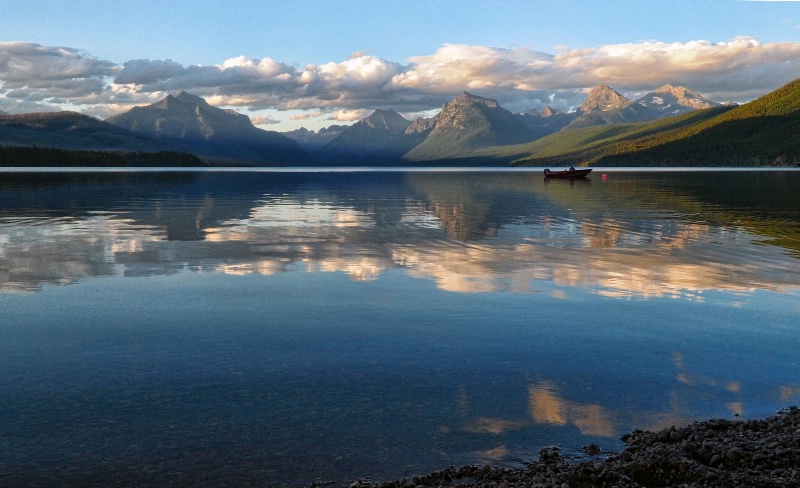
277 328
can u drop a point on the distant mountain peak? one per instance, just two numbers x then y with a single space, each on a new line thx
185 96
463 110
548 111
311 140
603 98
209 131
678 91
467 123
470 98
366 136
675 98
388 120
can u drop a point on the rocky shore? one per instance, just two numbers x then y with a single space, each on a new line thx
717 452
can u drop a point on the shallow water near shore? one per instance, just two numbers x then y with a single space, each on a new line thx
283 327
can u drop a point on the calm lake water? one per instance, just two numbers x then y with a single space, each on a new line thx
277 328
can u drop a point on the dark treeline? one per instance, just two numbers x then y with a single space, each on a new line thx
762 141
17 156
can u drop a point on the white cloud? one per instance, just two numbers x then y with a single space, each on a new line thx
359 71
266 83
349 115
307 115
455 67
264 120
32 75
144 71
39 77
732 68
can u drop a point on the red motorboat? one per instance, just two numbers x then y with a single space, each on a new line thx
568 173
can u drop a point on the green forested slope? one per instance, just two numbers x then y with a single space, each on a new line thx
764 131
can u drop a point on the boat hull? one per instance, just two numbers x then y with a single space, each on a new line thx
569 173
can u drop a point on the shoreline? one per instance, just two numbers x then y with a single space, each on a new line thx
716 452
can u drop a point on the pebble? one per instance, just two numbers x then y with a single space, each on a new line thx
715 453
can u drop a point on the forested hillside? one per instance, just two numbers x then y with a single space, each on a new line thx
17 156
762 132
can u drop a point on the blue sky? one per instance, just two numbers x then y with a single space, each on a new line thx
315 63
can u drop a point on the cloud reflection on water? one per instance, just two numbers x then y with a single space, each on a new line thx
498 380
457 234
549 405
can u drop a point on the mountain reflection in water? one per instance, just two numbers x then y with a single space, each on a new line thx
636 234
281 327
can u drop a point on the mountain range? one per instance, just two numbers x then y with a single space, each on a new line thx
606 106
468 130
312 141
183 123
469 124
762 132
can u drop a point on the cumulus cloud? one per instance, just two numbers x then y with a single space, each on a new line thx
264 120
146 72
726 66
34 73
307 115
734 70
348 115
456 66
521 78
266 83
